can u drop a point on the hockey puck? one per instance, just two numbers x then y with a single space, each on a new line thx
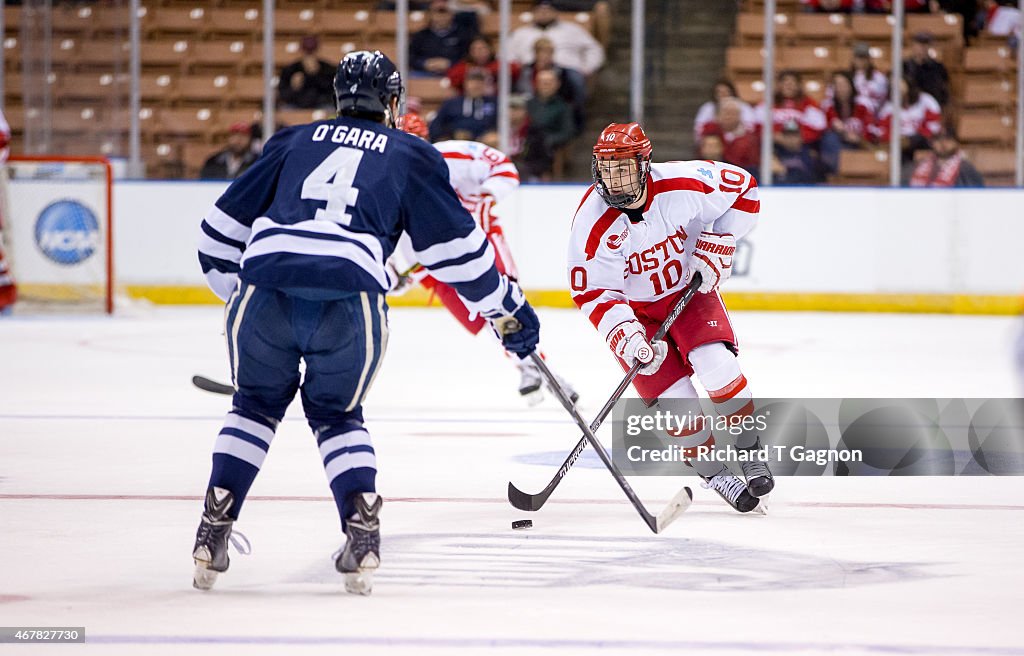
522 523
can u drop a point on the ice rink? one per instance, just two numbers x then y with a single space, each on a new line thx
105 450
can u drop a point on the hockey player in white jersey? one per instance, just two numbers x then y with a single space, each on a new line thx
635 245
481 177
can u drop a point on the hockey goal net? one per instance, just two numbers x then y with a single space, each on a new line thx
57 229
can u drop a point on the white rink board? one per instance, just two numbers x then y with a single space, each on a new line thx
808 240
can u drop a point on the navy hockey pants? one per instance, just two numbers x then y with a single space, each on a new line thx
342 342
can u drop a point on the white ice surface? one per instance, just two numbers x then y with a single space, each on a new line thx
104 454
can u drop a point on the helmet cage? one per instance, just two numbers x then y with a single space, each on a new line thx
628 193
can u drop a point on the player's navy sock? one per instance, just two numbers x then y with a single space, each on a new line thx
350 463
239 451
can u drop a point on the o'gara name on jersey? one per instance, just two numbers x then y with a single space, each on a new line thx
348 136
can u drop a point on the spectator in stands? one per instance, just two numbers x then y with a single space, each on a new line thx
233 160
526 143
309 82
480 57
921 119
929 74
710 145
794 162
968 11
1002 18
944 166
872 84
849 120
600 13
549 114
724 88
568 89
792 104
575 48
434 49
740 145
472 116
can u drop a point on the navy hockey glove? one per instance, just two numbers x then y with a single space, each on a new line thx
516 323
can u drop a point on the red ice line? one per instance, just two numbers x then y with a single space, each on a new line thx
798 504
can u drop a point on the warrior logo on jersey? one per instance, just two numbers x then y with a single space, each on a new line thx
706 173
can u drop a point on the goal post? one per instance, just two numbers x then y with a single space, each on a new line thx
58 231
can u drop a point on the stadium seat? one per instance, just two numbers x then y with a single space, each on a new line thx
204 89
807 59
987 128
429 90
750 29
863 167
185 122
235 22
996 165
942 27
164 55
988 93
989 60
872 27
821 29
384 24
744 59
222 56
163 22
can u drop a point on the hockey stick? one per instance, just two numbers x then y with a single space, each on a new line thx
532 502
207 385
676 507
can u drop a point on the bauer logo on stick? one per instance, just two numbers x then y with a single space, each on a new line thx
67 232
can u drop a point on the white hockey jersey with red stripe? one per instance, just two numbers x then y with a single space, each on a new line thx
613 261
476 170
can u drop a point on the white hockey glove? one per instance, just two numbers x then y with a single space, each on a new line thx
629 342
712 257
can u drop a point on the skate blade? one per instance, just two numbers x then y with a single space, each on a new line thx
203 579
360 583
762 506
534 398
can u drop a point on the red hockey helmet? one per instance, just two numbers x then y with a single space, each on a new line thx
414 125
621 186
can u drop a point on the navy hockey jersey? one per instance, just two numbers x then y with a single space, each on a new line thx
325 205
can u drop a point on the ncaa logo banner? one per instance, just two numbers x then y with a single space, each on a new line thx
67 232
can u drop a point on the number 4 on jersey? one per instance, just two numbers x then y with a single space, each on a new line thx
332 182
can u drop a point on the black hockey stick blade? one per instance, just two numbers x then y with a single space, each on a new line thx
533 502
207 385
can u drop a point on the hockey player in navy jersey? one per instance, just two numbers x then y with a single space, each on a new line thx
297 247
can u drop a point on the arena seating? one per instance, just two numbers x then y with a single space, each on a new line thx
982 76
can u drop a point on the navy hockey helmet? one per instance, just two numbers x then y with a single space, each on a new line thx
365 84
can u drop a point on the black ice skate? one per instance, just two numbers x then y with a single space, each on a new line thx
211 551
732 490
361 554
759 478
